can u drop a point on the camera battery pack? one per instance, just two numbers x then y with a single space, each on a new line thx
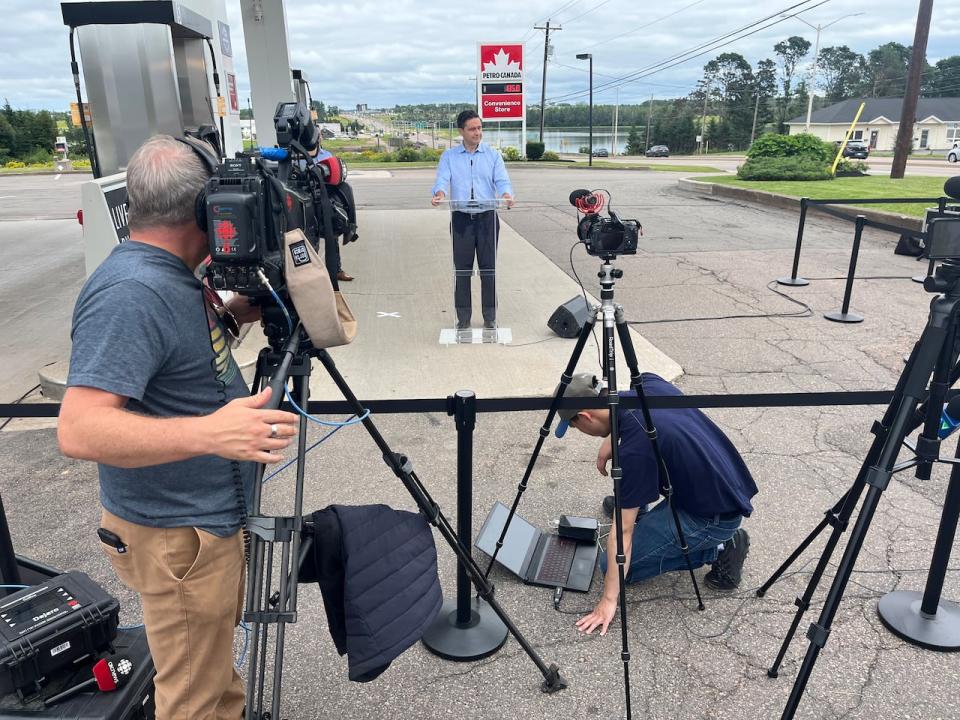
582 529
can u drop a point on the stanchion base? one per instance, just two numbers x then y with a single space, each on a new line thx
900 612
919 278
842 317
483 635
793 281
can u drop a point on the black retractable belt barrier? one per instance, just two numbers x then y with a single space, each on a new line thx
466 629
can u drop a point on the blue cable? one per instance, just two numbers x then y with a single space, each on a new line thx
18 587
246 643
293 460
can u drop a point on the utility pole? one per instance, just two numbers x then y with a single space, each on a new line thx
646 138
703 121
909 112
616 116
756 110
543 84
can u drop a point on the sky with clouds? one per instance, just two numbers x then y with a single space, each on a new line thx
405 52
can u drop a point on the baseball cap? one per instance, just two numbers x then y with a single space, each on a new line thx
582 385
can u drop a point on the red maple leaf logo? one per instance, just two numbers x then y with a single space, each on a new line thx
225 231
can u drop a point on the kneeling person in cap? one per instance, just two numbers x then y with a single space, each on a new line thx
712 488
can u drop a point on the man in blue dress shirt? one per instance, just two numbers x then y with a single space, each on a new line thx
473 173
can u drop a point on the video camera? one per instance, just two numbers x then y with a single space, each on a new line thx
254 198
604 236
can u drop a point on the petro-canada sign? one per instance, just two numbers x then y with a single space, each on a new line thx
500 81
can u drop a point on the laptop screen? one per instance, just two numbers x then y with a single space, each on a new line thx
520 537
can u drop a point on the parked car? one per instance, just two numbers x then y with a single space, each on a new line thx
601 152
856 149
658 151
953 154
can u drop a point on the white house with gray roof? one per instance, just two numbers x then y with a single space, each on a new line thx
936 126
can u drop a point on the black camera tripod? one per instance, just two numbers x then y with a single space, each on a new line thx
290 358
927 621
613 317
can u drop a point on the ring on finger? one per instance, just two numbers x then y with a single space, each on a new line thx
274 431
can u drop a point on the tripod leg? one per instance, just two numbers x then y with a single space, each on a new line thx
403 469
665 487
616 472
913 382
565 379
801 548
839 520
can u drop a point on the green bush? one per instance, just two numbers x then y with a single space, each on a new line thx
534 150
429 154
584 150
783 146
550 156
851 168
38 157
511 154
784 168
407 154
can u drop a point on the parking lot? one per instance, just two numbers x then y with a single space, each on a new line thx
698 290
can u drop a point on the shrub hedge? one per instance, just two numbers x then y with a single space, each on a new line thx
784 168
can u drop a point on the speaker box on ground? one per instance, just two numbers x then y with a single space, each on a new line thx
567 320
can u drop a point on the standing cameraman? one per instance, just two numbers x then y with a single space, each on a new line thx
473 171
156 399
712 488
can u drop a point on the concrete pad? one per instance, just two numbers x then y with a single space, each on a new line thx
403 296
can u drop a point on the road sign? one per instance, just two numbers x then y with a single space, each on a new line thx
500 81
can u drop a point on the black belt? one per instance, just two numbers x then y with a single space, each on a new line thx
473 215
723 517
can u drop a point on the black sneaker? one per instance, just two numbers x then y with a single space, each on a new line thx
463 324
728 567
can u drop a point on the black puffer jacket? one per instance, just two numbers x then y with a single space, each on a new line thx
377 570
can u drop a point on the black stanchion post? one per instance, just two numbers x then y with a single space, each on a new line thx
845 316
926 620
793 279
465 417
467 629
9 570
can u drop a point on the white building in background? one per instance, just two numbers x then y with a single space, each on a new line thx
936 126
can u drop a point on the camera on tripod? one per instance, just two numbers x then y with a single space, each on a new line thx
255 198
604 236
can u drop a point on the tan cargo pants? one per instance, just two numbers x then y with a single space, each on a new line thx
192 588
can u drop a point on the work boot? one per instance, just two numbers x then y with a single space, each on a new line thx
343 277
727 570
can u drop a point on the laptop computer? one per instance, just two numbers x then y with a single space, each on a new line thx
536 557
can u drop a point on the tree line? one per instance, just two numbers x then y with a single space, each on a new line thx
734 101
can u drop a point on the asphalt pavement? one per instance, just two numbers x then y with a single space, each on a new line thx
700 291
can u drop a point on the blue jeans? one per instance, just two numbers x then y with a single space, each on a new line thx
656 549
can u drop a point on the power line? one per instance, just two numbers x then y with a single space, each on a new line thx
692 53
607 41
587 12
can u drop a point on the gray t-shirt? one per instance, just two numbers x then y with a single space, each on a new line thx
142 330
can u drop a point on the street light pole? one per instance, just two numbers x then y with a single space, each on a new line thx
589 56
816 58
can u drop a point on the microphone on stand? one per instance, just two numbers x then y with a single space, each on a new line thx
108 675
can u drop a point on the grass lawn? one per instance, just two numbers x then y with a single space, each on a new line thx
869 186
